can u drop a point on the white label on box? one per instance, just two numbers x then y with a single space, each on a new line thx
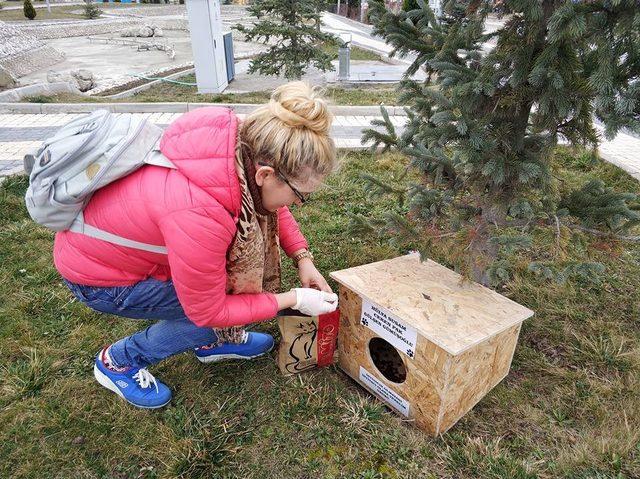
381 390
401 336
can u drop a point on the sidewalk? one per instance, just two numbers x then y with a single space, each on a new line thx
21 133
360 33
623 151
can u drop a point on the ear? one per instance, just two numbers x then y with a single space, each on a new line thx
262 173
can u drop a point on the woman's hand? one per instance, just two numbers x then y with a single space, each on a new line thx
310 277
313 302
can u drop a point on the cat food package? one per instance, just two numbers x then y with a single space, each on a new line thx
307 341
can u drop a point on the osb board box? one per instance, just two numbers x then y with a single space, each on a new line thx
423 340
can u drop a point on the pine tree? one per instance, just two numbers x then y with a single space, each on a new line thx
291 28
481 129
91 10
28 9
408 5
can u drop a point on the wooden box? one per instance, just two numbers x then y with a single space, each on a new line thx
424 341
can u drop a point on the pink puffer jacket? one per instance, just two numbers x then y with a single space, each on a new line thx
192 210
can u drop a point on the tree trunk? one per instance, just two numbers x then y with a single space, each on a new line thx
482 252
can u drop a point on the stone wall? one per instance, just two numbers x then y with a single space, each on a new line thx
78 28
31 60
47 89
147 11
14 40
22 53
171 23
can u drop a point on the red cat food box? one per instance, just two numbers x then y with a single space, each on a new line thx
307 341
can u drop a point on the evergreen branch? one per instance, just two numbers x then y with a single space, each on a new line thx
400 226
509 243
603 234
596 204
362 226
388 139
375 187
587 271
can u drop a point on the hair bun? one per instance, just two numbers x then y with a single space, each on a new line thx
298 105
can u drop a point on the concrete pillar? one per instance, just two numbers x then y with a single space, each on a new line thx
205 25
344 60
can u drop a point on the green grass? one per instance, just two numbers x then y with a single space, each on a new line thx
338 96
356 53
57 12
570 408
168 92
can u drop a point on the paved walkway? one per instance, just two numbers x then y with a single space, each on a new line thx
21 133
624 152
362 36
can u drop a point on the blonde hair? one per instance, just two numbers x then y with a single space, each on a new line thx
292 132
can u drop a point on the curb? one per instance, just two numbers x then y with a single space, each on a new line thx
243 108
140 88
17 94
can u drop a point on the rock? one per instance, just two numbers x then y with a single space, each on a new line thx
6 79
10 96
144 32
83 74
84 79
55 77
78 440
157 32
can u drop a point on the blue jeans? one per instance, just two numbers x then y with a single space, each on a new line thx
152 300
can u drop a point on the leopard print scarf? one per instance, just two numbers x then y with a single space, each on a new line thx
253 261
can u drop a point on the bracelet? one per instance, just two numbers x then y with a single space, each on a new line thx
302 254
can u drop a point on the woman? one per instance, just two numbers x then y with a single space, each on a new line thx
222 215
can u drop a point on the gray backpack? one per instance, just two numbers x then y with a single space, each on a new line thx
83 156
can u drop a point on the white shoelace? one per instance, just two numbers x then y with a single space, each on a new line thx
145 379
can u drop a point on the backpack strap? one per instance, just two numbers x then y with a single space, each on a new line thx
79 226
155 157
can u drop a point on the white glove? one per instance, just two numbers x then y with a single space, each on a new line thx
313 302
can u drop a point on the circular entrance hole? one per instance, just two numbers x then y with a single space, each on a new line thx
387 359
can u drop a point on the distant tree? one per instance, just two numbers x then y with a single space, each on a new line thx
408 5
291 29
91 11
29 11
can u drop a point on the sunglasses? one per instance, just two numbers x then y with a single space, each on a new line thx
301 196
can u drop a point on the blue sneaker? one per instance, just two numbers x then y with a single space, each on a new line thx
253 345
135 385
